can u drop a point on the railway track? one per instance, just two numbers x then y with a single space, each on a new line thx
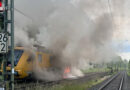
114 83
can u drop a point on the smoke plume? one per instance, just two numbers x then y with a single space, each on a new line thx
75 31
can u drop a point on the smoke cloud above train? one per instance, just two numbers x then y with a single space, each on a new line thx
76 31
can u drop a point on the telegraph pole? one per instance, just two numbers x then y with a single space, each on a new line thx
12 43
6 36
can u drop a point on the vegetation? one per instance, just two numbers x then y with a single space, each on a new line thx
114 65
71 86
129 68
96 70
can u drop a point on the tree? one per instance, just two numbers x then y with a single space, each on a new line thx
129 66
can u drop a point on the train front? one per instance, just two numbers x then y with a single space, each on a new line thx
22 69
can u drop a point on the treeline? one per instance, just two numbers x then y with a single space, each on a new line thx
117 64
113 65
129 67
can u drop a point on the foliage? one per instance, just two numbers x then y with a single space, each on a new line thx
76 86
129 68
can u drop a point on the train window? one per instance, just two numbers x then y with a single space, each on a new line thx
40 58
17 55
30 58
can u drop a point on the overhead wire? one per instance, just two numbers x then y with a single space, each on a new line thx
24 14
111 14
110 9
108 6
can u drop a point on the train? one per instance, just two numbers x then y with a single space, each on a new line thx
25 61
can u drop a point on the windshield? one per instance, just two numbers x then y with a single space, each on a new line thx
17 55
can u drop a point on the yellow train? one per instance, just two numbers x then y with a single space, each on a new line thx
26 60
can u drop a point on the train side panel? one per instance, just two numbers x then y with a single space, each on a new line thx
24 66
26 63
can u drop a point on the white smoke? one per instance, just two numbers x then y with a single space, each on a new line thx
76 31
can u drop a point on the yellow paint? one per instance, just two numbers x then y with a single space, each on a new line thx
25 65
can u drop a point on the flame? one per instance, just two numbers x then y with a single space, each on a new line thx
66 72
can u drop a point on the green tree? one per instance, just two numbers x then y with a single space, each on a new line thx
129 66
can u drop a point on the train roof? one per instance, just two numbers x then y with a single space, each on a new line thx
38 48
20 48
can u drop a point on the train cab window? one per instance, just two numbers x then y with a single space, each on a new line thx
17 55
39 57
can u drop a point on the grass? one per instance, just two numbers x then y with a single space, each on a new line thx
96 70
71 85
76 86
128 72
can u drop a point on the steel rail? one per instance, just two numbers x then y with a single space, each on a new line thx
121 84
108 82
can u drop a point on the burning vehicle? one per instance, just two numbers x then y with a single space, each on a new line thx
32 63
25 61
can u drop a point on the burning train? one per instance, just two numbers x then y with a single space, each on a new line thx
25 61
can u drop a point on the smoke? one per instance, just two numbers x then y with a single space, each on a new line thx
76 32
119 7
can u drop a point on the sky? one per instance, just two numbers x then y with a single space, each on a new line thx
122 35
122 39
119 10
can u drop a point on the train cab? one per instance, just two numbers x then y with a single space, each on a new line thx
26 60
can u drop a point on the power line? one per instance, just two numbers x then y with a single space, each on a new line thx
24 14
110 9
111 14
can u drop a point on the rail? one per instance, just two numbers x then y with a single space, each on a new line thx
121 84
110 80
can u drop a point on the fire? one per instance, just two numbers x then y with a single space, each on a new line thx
66 72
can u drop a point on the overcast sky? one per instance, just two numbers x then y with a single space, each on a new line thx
122 35
119 10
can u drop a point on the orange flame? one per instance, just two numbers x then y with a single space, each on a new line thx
66 71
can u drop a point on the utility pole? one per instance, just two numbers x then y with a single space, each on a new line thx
12 44
6 36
